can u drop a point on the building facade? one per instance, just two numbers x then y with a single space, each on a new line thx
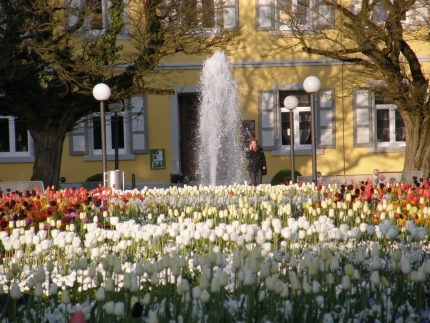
357 131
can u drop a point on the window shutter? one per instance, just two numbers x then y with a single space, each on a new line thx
326 133
106 13
73 11
231 15
355 6
126 29
78 140
325 16
420 13
138 125
268 120
362 118
264 15
379 14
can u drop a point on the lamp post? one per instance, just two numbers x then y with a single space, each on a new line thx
116 108
291 102
101 92
312 84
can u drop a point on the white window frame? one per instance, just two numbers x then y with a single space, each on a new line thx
229 12
417 16
123 153
270 121
269 15
13 155
105 18
411 21
296 123
364 122
392 124
110 121
278 13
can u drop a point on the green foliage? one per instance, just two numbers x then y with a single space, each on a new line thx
177 178
106 52
95 178
282 176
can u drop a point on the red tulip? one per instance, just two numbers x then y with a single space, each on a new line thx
77 317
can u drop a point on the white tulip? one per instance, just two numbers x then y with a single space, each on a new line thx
196 292
53 289
100 294
65 297
109 307
346 283
119 309
375 278
204 297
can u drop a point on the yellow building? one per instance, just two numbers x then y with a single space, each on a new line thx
356 133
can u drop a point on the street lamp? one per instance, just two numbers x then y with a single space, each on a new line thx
116 108
312 84
291 102
101 92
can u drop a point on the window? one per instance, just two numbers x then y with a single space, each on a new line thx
208 9
287 15
14 138
274 125
378 125
16 144
390 128
301 119
417 14
209 14
85 139
96 15
110 134
192 9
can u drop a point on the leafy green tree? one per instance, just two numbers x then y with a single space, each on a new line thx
50 60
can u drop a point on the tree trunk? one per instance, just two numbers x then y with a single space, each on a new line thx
417 152
48 148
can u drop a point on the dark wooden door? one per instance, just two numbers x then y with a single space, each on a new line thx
188 114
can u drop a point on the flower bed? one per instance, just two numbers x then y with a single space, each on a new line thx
293 253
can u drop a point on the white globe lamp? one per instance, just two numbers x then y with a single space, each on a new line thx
291 102
101 92
312 84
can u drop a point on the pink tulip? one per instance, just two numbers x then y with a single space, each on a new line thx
376 172
77 317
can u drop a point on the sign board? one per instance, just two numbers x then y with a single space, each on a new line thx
157 158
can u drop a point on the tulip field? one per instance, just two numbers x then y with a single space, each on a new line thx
357 252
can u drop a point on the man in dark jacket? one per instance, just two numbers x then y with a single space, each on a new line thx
257 162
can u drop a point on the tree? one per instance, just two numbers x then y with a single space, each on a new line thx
379 38
51 59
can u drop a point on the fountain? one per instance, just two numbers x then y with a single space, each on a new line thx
220 157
